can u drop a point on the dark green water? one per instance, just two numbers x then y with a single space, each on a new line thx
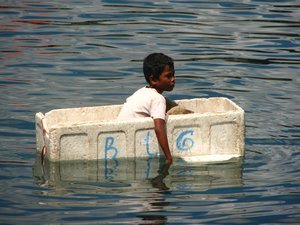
62 54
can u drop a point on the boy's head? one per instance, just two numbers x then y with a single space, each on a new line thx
154 65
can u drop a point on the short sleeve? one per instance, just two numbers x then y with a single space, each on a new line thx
158 108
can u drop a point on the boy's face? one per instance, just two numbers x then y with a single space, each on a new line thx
166 81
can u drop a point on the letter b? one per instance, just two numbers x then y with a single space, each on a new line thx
109 141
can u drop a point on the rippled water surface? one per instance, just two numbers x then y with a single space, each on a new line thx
59 54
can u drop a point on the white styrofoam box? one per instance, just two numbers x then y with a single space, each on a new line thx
215 131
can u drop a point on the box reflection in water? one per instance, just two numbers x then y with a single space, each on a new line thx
180 175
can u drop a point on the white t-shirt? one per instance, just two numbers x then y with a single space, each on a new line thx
145 102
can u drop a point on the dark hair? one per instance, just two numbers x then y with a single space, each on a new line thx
154 65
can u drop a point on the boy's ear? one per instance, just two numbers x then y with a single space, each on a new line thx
151 79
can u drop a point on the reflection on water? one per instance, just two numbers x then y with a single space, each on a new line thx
142 187
58 174
61 54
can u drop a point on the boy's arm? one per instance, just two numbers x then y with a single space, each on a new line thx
161 134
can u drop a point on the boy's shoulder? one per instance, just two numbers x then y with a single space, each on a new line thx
147 95
147 91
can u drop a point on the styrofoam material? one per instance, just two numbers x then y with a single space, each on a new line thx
215 131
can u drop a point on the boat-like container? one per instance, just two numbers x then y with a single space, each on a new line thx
213 132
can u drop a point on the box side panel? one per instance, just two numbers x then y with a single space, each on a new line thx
241 132
54 145
226 134
188 104
117 139
42 136
208 105
223 138
84 115
187 140
39 132
215 105
73 143
204 135
224 104
146 144
112 145
75 146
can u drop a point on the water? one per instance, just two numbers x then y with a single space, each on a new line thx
83 53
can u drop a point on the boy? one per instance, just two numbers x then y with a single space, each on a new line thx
148 101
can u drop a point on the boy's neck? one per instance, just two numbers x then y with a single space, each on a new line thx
158 91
